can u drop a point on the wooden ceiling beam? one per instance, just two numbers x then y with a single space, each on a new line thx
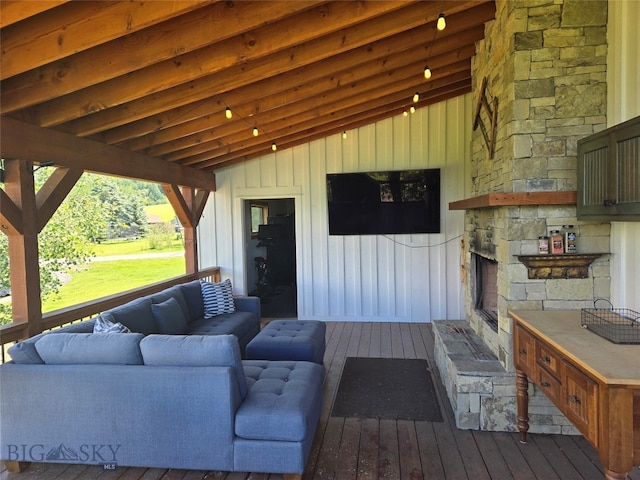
366 118
280 62
13 11
373 87
308 25
77 26
368 91
364 62
324 119
191 31
36 144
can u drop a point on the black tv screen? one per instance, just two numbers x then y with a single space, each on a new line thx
403 201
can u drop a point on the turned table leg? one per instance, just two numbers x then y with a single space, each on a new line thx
522 396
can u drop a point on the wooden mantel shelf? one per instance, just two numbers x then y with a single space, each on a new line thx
511 199
564 265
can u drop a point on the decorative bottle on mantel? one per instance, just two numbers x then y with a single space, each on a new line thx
569 239
556 245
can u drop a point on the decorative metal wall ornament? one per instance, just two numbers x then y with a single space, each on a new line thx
492 113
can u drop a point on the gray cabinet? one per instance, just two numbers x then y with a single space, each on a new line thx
609 174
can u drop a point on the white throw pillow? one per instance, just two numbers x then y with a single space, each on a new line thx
105 323
218 298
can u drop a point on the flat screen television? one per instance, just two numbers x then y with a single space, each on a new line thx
370 203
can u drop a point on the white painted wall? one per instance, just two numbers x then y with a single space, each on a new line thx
401 278
623 88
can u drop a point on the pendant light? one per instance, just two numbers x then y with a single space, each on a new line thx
442 23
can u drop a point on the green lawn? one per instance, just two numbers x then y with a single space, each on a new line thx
100 279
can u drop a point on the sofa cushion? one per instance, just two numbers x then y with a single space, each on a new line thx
281 400
217 298
192 293
136 315
25 351
105 323
238 323
195 351
172 292
89 348
169 317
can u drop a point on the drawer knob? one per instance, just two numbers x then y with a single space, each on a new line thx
523 351
545 359
545 384
574 399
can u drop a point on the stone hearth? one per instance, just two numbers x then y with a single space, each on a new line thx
545 62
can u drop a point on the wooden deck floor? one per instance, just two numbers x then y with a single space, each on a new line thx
365 449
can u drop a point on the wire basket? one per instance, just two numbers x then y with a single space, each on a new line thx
618 325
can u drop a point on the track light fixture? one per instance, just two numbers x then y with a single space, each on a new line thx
227 113
442 23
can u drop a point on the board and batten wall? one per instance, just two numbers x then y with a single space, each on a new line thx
623 98
390 278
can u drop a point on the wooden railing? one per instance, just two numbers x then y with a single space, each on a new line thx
13 332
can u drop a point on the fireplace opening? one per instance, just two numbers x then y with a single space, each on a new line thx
486 290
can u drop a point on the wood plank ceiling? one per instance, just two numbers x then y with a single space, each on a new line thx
153 79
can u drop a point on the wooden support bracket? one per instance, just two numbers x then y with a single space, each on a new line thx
492 112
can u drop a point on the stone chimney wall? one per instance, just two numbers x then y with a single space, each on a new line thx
545 62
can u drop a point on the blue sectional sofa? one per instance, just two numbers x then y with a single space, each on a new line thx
150 399
151 314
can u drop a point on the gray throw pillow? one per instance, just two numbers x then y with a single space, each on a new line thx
170 317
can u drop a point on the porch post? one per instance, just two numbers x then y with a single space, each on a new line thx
188 203
24 271
190 234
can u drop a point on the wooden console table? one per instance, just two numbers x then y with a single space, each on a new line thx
594 382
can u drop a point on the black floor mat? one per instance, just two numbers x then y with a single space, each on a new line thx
389 388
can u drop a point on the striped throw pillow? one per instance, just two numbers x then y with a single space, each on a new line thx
218 298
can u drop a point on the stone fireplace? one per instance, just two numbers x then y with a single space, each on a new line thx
545 63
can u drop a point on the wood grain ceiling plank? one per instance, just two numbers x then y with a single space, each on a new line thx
367 60
38 144
370 89
255 44
77 26
318 50
182 33
13 11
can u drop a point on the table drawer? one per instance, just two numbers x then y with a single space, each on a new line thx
550 385
548 359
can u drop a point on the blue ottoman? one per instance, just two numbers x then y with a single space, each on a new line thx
289 340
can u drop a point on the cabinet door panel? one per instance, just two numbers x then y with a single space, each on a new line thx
581 402
525 351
